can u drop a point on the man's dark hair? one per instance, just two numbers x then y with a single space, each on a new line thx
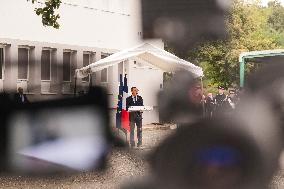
133 88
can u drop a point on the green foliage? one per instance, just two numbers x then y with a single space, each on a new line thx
250 27
47 13
276 18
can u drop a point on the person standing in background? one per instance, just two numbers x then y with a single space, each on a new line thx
220 99
20 97
209 105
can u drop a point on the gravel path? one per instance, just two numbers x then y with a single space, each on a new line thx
278 181
124 165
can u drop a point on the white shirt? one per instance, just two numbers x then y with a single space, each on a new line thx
23 98
134 98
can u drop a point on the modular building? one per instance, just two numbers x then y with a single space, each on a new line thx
43 60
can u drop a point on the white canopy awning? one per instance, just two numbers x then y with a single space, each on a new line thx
147 52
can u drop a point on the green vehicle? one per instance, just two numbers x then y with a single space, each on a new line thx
259 57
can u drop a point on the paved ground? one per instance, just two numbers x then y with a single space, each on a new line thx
124 165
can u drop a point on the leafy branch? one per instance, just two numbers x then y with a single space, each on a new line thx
47 13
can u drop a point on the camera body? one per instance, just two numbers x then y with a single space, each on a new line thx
66 135
184 23
236 150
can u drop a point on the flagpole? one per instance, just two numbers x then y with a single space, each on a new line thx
123 73
119 106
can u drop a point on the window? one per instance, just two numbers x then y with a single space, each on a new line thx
86 62
66 66
1 63
104 71
23 63
45 65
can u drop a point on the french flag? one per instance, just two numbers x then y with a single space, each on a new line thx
124 113
122 116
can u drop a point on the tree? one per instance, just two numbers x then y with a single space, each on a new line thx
47 12
276 18
276 21
248 30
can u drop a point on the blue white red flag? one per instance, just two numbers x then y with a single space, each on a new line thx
122 116
125 114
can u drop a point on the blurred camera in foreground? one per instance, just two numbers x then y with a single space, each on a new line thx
236 150
184 23
181 100
67 135
218 153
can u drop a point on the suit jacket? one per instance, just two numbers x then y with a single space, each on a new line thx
130 102
18 99
220 99
210 104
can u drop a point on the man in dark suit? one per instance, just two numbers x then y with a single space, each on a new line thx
135 117
220 99
209 105
20 97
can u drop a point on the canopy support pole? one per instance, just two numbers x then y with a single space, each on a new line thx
242 72
90 81
75 86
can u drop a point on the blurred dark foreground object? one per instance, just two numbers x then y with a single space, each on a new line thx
268 83
240 151
184 23
181 100
68 135
268 79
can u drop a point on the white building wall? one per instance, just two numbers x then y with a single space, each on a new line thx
34 84
98 26
112 24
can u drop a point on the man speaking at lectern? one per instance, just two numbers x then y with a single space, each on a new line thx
135 117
